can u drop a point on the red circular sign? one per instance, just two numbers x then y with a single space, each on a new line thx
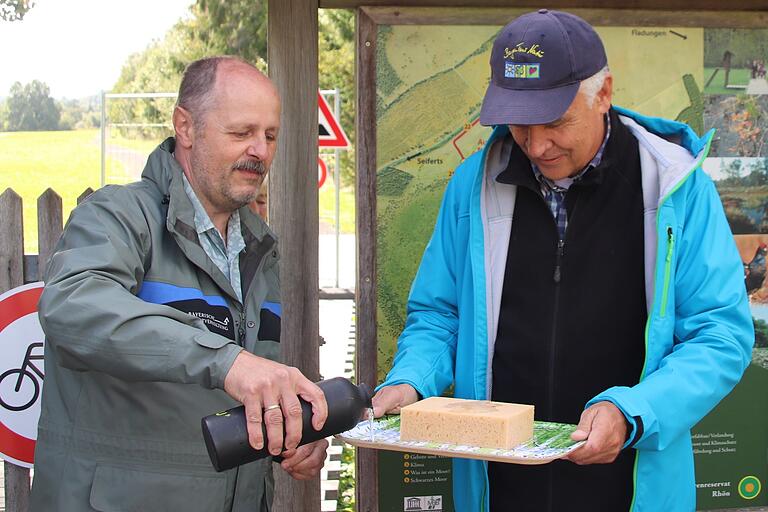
322 171
20 387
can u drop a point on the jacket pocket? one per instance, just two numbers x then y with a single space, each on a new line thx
132 489
211 340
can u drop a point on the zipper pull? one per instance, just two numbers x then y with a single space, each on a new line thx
667 271
670 243
241 328
560 252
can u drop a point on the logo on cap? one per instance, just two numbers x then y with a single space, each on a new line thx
512 70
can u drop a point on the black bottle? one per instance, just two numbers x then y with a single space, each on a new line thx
226 434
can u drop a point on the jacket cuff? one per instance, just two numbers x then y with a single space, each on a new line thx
223 361
636 433
634 423
210 359
419 391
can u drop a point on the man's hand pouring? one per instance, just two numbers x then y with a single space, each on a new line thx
270 391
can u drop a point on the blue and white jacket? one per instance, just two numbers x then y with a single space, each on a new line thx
699 333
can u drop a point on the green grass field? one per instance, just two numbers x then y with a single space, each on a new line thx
736 76
31 162
70 161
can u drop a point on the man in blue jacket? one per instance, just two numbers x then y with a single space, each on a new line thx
580 262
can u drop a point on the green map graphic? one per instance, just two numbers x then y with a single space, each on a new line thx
430 85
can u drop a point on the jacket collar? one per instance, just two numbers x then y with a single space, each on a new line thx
675 132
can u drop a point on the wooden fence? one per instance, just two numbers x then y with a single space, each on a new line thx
16 268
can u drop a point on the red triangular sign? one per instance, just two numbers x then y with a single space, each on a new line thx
330 135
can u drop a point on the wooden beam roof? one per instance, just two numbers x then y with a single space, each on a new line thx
690 5
597 17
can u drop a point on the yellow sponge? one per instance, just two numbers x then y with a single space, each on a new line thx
467 422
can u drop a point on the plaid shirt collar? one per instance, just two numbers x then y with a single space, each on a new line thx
548 185
225 255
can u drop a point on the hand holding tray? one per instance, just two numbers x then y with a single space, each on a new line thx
550 441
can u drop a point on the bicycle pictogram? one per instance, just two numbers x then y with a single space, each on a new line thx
18 396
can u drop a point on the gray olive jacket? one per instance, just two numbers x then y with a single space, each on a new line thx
141 329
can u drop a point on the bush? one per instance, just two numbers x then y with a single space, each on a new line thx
346 500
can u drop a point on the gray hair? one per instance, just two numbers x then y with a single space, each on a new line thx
198 83
591 86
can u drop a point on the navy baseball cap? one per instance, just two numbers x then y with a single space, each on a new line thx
537 63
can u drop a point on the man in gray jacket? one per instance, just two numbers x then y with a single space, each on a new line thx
161 306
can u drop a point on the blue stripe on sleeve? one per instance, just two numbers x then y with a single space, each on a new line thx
164 293
274 307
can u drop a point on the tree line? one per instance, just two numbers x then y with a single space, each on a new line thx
214 27
30 107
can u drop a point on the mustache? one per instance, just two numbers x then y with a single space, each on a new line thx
250 165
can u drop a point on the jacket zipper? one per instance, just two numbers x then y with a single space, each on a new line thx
241 327
667 270
555 312
557 276
558 260
242 307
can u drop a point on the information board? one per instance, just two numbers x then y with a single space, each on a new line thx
430 84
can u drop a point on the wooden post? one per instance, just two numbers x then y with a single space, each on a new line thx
49 228
17 484
727 66
366 461
11 241
82 197
293 206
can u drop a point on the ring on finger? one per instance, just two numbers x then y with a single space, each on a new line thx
271 407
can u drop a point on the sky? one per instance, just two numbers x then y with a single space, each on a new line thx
78 47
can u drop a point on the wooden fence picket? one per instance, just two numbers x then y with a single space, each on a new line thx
84 195
11 276
11 241
49 227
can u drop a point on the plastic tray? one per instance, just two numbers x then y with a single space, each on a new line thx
550 441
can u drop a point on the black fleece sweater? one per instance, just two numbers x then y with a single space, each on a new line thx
562 341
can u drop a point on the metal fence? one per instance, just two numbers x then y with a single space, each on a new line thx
131 123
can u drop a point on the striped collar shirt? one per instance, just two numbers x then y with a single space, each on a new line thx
225 255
